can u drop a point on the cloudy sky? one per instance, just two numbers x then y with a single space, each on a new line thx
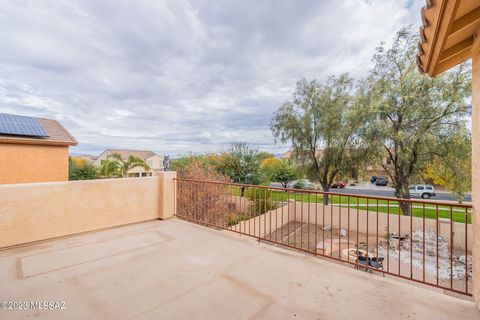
180 76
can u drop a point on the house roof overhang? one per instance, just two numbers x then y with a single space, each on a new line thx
447 34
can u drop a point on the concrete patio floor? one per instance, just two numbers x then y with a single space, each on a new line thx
177 270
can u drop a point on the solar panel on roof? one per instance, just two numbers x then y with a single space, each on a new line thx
21 126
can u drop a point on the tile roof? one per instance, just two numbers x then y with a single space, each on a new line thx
291 154
447 34
86 156
142 154
57 135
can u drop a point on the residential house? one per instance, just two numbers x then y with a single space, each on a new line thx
291 155
33 149
151 159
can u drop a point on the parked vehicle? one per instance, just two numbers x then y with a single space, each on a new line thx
381 181
422 191
339 184
373 179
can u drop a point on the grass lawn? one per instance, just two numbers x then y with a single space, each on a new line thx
458 214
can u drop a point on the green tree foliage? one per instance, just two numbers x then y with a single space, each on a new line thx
124 165
183 162
451 167
408 116
262 155
208 161
279 171
318 123
179 163
240 162
81 170
109 169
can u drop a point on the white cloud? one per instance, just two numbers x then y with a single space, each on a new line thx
179 76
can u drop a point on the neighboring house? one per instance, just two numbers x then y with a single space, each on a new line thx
152 160
87 157
376 170
287 155
296 156
33 149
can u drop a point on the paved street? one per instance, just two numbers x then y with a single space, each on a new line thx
389 193
369 189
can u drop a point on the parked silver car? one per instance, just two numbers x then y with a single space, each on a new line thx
424 191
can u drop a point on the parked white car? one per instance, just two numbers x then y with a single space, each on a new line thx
424 191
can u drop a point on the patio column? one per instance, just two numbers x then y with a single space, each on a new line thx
167 194
476 166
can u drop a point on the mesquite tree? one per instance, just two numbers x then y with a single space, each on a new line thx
318 124
407 116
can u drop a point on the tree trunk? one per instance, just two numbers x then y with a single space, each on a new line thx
401 191
405 207
325 188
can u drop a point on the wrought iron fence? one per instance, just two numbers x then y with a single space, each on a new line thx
431 245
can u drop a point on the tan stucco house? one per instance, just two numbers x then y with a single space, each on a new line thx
30 158
152 160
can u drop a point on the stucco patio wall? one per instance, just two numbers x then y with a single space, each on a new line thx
329 216
386 223
39 211
268 222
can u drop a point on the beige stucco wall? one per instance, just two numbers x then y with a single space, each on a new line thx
156 162
345 219
22 163
39 211
268 222
476 168
167 194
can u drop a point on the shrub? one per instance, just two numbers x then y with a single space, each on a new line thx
300 184
234 219
202 201
260 201
81 170
278 171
